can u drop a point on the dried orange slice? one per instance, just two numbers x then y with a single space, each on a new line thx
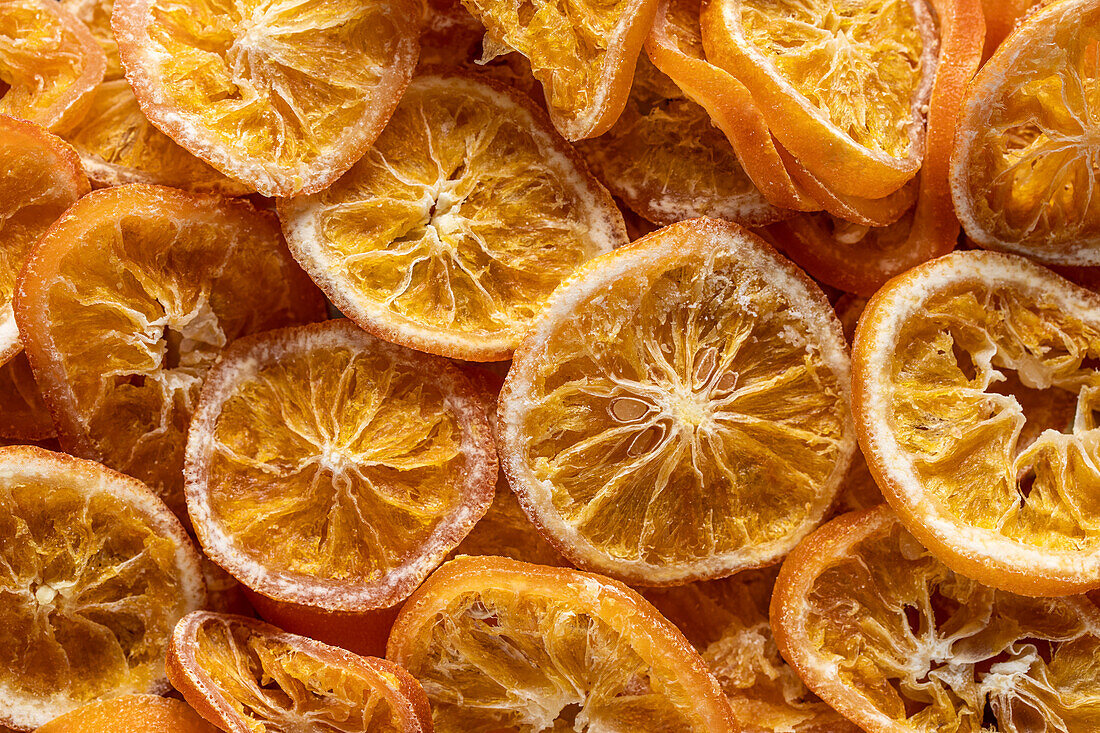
283 97
1022 174
97 573
680 411
329 468
247 676
131 714
583 53
128 300
893 639
23 413
451 232
40 177
96 15
974 387
505 645
1002 17
842 85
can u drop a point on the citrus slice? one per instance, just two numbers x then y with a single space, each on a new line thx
23 414
680 411
49 63
727 622
96 16
842 85
583 52
97 572
283 97
329 468
130 714
1022 174
893 639
1002 17
127 301
505 645
974 388
247 676
451 232
40 177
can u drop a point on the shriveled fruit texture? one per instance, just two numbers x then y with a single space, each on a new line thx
129 300
501 645
451 232
1023 173
49 63
330 468
888 635
281 96
97 572
96 15
23 413
668 162
975 391
505 531
40 177
250 677
681 410
130 714
583 52
727 622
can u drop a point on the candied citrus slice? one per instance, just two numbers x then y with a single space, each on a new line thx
127 301
247 677
282 96
842 85
1002 17
975 384
583 52
96 15
130 714
893 639
329 468
451 232
40 177
680 411
506 645
97 572
23 413
1023 173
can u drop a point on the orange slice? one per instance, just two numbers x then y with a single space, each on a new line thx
23 414
247 676
974 382
40 177
1002 17
583 53
329 468
128 300
130 714
504 645
449 235
96 15
896 641
97 573
283 97
1022 174
680 411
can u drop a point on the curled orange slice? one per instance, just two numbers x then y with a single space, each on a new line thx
130 714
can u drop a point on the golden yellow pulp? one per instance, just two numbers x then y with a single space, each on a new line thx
505 531
96 14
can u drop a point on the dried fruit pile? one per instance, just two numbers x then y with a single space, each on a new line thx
533 366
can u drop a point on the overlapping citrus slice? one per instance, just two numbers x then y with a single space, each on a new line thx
130 714
889 636
451 232
1023 172
282 96
97 572
680 411
128 300
329 468
1002 17
24 416
842 85
505 645
247 677
583 52
975 390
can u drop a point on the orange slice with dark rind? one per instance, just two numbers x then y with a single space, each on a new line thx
130 714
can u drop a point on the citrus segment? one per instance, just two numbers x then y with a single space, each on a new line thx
249 677
330 468
451 232
282 96
130 714
96 573
1023 171
128 300
583 52
892 638
23 414
504 645
974 390
680 411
